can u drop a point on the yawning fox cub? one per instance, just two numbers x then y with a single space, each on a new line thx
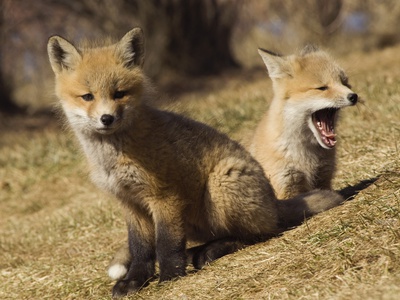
295 140
178 179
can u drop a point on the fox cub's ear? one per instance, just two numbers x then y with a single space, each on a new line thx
309 48
131 48
277 65
62 54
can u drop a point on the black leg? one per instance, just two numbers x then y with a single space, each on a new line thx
203 254
171 255
142 267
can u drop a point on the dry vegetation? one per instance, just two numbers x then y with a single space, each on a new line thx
58 232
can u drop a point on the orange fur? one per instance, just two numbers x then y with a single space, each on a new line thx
293 152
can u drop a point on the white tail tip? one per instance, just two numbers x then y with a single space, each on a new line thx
117 271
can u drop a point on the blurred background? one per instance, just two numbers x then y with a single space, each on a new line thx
185 39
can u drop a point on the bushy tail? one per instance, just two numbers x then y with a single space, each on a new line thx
294 211
119 265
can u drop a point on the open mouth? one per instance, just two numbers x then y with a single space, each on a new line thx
324 123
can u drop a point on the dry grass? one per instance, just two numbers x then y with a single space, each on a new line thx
58 231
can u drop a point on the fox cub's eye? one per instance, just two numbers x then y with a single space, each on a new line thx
322 88
119 94
346 83
87 97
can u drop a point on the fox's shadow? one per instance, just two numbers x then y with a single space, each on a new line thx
351 191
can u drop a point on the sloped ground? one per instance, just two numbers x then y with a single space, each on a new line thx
58 232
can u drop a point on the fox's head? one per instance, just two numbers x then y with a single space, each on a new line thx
312 89
99 87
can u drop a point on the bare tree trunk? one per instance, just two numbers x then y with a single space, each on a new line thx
190 37
6 104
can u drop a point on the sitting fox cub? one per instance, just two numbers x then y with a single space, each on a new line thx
295 140
178 179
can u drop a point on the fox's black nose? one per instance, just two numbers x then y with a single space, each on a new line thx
107 119
353 98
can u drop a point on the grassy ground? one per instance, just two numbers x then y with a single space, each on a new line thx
58 232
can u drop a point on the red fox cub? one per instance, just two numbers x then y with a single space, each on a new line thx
178 179
295 141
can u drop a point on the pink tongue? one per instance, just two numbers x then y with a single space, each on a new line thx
328 138
324 122
327 130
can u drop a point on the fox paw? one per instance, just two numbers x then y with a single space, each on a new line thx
207 253
125 287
